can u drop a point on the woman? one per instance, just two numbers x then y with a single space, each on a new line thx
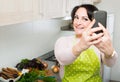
82 56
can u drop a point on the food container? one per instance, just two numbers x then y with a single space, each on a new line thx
9 74
9 80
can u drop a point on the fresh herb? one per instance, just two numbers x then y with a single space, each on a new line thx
26 63
48 78
29 77
35 75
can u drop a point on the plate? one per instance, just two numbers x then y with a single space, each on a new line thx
10 79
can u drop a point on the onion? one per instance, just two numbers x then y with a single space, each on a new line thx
45 64
55 68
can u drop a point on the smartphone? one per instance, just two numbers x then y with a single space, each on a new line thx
100 16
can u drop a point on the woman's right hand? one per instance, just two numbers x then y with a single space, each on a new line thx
88 38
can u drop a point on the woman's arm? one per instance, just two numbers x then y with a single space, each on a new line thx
109 55
63 50
110 61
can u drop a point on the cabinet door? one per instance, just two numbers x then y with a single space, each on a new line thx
51 8
70 4
17 11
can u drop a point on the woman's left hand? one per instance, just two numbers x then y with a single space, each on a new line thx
105 45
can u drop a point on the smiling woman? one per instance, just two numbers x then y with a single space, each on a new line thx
83 55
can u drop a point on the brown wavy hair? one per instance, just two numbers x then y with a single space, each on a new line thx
89 7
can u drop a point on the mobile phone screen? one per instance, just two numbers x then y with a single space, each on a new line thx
100 16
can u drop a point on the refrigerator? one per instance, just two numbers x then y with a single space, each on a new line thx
110 27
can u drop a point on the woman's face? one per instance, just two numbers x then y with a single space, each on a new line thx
81 21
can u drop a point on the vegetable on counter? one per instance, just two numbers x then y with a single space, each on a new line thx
47 78
34 63
38 71
55 68
36 75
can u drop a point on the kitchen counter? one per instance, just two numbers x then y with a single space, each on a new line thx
50 64
51 60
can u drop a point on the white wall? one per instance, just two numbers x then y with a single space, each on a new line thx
113 6
27 40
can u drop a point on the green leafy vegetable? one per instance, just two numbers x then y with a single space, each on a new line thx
48 78
35 75
29 77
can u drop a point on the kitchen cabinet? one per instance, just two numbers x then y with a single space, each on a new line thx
51 8
17 11
70 4
57 8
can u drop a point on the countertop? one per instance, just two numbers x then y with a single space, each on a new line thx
51 60
50 63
